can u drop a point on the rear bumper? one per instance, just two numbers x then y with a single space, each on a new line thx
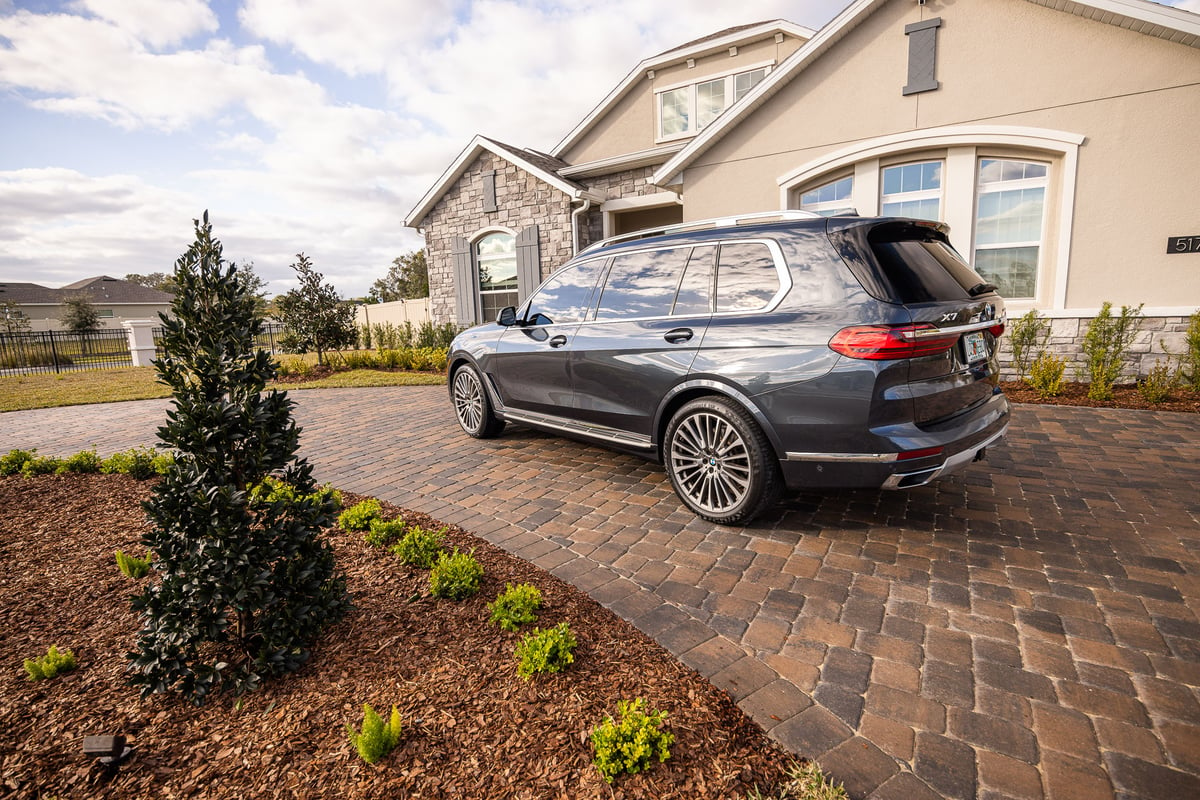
961 442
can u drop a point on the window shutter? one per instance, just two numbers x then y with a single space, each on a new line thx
922 56
529 272
489 190
466 293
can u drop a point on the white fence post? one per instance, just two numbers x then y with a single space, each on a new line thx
141 341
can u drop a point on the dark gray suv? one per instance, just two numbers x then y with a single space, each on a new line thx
750 354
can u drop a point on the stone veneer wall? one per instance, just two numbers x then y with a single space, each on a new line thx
521 200
618 185
1066 341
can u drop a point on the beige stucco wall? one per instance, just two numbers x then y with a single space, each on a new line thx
1004 63
630 126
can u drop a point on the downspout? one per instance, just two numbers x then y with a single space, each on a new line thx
587 203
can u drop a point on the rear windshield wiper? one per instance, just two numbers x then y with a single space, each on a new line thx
982 288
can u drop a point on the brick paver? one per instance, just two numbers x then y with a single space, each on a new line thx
1029 628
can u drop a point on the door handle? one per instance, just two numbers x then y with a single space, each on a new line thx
678 335
558 341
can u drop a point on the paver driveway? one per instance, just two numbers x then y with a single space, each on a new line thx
1027 629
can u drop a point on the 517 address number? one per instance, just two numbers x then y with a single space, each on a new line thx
1183 244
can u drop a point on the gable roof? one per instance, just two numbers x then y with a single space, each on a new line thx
28 294
715 42
1142 16
545 168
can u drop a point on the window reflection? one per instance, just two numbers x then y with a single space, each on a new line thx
567 296
746 277
642 284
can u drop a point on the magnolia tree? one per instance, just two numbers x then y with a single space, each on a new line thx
313 314
247 583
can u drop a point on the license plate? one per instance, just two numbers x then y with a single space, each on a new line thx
976 347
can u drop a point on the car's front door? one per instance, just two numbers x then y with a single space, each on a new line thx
531 367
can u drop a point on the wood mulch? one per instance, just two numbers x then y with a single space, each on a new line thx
1124 396
472 727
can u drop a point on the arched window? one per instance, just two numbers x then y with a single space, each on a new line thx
496 255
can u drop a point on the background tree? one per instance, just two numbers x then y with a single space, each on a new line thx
246 582
407 279
314 315
256 286
12 318
79 314
155 280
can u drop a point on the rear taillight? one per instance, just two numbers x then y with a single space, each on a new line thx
997 330
885 342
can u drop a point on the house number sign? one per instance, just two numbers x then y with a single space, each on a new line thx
1183 244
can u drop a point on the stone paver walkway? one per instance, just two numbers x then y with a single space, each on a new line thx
1028 629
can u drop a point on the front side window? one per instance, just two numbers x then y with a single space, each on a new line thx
829 198
496 255
747 279
566 297
1009 222
912 190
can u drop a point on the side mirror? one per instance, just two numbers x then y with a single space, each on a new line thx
507 316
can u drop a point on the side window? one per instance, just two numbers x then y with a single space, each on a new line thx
695 290
746 277
642 284
566 297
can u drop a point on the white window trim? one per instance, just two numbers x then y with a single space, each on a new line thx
961 143
938 194
474 242
691 85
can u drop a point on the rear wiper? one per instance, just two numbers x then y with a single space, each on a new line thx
982 288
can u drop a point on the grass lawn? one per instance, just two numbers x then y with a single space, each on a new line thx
47 390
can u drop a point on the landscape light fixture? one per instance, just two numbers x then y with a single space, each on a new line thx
109 751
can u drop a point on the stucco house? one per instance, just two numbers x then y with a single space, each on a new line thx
115 301
1056 137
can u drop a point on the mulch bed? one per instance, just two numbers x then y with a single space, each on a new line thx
1124 396
472 727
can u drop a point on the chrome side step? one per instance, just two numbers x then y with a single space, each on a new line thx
592 431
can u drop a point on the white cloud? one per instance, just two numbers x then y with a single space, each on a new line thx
159 23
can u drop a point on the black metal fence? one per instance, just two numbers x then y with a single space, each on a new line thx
62 351
267 339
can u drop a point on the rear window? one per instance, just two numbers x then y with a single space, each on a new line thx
747 279
921 267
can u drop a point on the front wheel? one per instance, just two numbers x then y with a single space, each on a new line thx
720 462
472 406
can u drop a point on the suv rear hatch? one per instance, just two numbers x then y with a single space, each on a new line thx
956 317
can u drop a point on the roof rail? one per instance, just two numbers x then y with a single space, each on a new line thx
702 224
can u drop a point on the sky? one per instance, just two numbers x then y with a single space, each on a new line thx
309 126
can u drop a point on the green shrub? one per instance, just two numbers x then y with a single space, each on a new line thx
164 462
1159 382
1046 374
50 665
378 738
383 532
132 566
1105 346
41 465
274 490
549 650
294 366
455 575
12 462
1028 335
515 606
1190 357
632 744
358 517
805 781
85 461
420 547
137 463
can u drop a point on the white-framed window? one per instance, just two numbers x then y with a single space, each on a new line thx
912 190
496 257
829 198
1009 223
686 110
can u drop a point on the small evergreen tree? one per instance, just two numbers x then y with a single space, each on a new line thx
246 583
79 315
314 315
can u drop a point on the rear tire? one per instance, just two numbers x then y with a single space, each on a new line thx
472 405
720 462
